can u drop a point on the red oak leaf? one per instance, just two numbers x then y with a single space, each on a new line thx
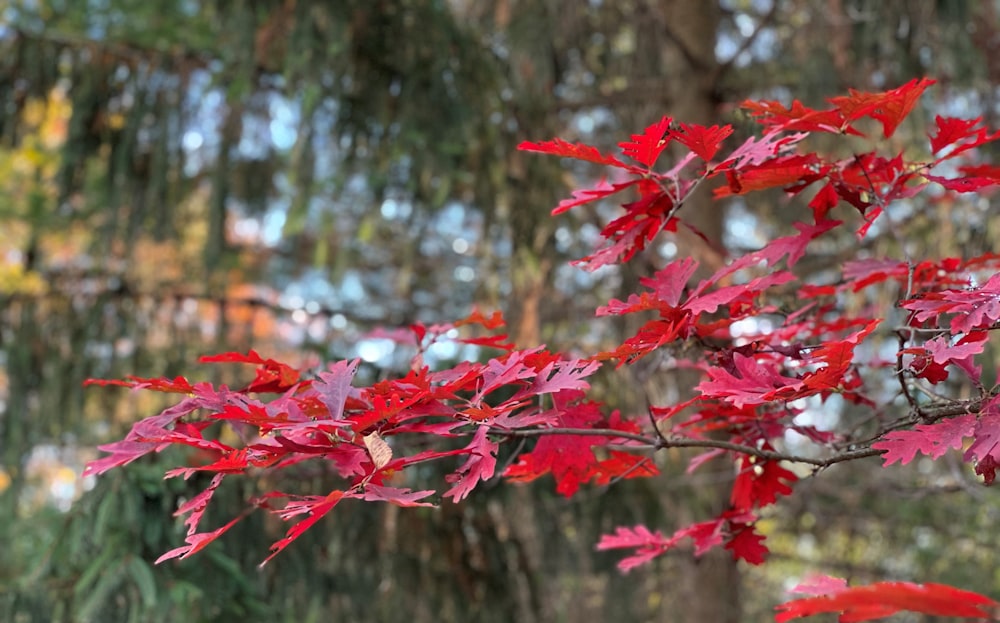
709 303
648 545
702 140
570 458
968 184
272 376
777 173
177 385
759 483
755 151
232 462
148 435
756 384
624 465
668 284
315 507
197 505
882 599
963 134
824 201
480 465
889 107
819 585
985 448
798 117
987 468
490 323
197 542
392 495
334 386
560 376
577 151
837 356
645 148
741 540
961 354
977 308
930 439
584 196
747 544
990 171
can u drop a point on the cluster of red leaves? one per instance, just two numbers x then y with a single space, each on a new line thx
763 360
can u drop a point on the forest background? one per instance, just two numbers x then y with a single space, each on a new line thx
180 178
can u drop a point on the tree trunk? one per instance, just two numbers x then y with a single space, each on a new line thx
711 585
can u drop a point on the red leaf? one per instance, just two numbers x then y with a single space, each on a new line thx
955 132
569 458
668 283
986 436
648 545
961 354
577 151
334 386
819 585
480 465
148 435
930 439
559 376
491 323
624 465
645 148
197 505
982 170
272 376
987 468
589 195
178 385
393 495
756 384
882 599
316 507
755 151
743 542
508 370
798 117
837 355
779 172
759 483
702 140
889 107
963 184
792 246
824 201
197 542
747 544
709 303
973 309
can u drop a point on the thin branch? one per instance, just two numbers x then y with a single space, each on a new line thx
646 442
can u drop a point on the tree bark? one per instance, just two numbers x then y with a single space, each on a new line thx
710 590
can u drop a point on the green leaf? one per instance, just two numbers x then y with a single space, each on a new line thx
142 577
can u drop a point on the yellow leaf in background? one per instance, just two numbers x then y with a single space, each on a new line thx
15 280
34 111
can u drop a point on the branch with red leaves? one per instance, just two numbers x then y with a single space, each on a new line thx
770 344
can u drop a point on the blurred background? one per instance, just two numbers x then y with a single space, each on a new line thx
185 177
